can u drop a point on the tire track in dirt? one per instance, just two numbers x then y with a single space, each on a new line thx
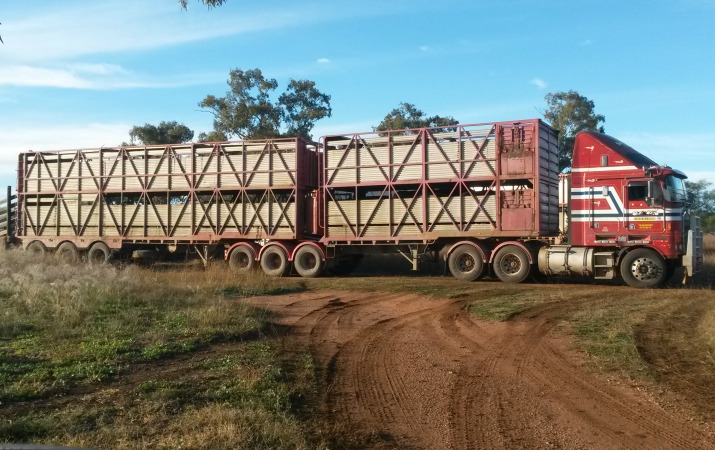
430 375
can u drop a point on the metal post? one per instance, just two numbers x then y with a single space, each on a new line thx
203 252
8 219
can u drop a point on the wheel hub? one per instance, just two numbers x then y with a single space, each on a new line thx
274 262
466 262
511 264
308 261
645 269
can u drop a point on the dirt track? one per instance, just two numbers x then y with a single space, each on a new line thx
428 375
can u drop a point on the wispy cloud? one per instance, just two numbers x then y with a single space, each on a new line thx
539 83
425 48
586 43
98 68
34 76
95 77
323 61
58 48
121 26
67 46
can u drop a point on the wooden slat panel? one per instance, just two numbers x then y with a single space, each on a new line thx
262 167
117 173
109 228
158 166
438 171
136 228
480 169
368 174
450 149
209 166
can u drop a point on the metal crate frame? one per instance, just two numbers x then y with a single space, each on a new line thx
213 191
518 163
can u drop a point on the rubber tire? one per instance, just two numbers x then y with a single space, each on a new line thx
274 261
464 257
242 259
99 254
644 258
511 264
308 262
67 253
36 248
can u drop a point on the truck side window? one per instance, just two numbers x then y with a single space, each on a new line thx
638 191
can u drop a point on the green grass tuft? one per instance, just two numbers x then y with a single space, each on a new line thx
107 330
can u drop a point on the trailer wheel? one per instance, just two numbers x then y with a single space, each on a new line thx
241 259
643 268
308 262
274 261
511 264
99 254
465 263
67 253
36 248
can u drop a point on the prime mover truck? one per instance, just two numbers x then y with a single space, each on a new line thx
485 198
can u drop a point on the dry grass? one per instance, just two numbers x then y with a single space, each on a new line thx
706 328
709 244
706 331
133 358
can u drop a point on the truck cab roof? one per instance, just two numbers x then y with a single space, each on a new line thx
591 146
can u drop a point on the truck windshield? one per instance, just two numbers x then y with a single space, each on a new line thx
674 189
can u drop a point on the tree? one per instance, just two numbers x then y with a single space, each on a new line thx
406 116
703 197
247 110
703 202
165 133
570 112
708 224
212 136
303 105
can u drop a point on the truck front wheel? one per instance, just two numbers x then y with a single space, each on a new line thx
465 263
511 264
643 268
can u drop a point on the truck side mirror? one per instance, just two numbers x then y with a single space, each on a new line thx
654 197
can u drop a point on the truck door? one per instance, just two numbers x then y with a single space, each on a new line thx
644 210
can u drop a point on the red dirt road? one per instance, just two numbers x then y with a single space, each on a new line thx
430 375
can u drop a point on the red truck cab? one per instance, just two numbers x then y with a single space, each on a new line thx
624 200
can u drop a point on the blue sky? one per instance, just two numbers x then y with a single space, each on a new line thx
77 74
